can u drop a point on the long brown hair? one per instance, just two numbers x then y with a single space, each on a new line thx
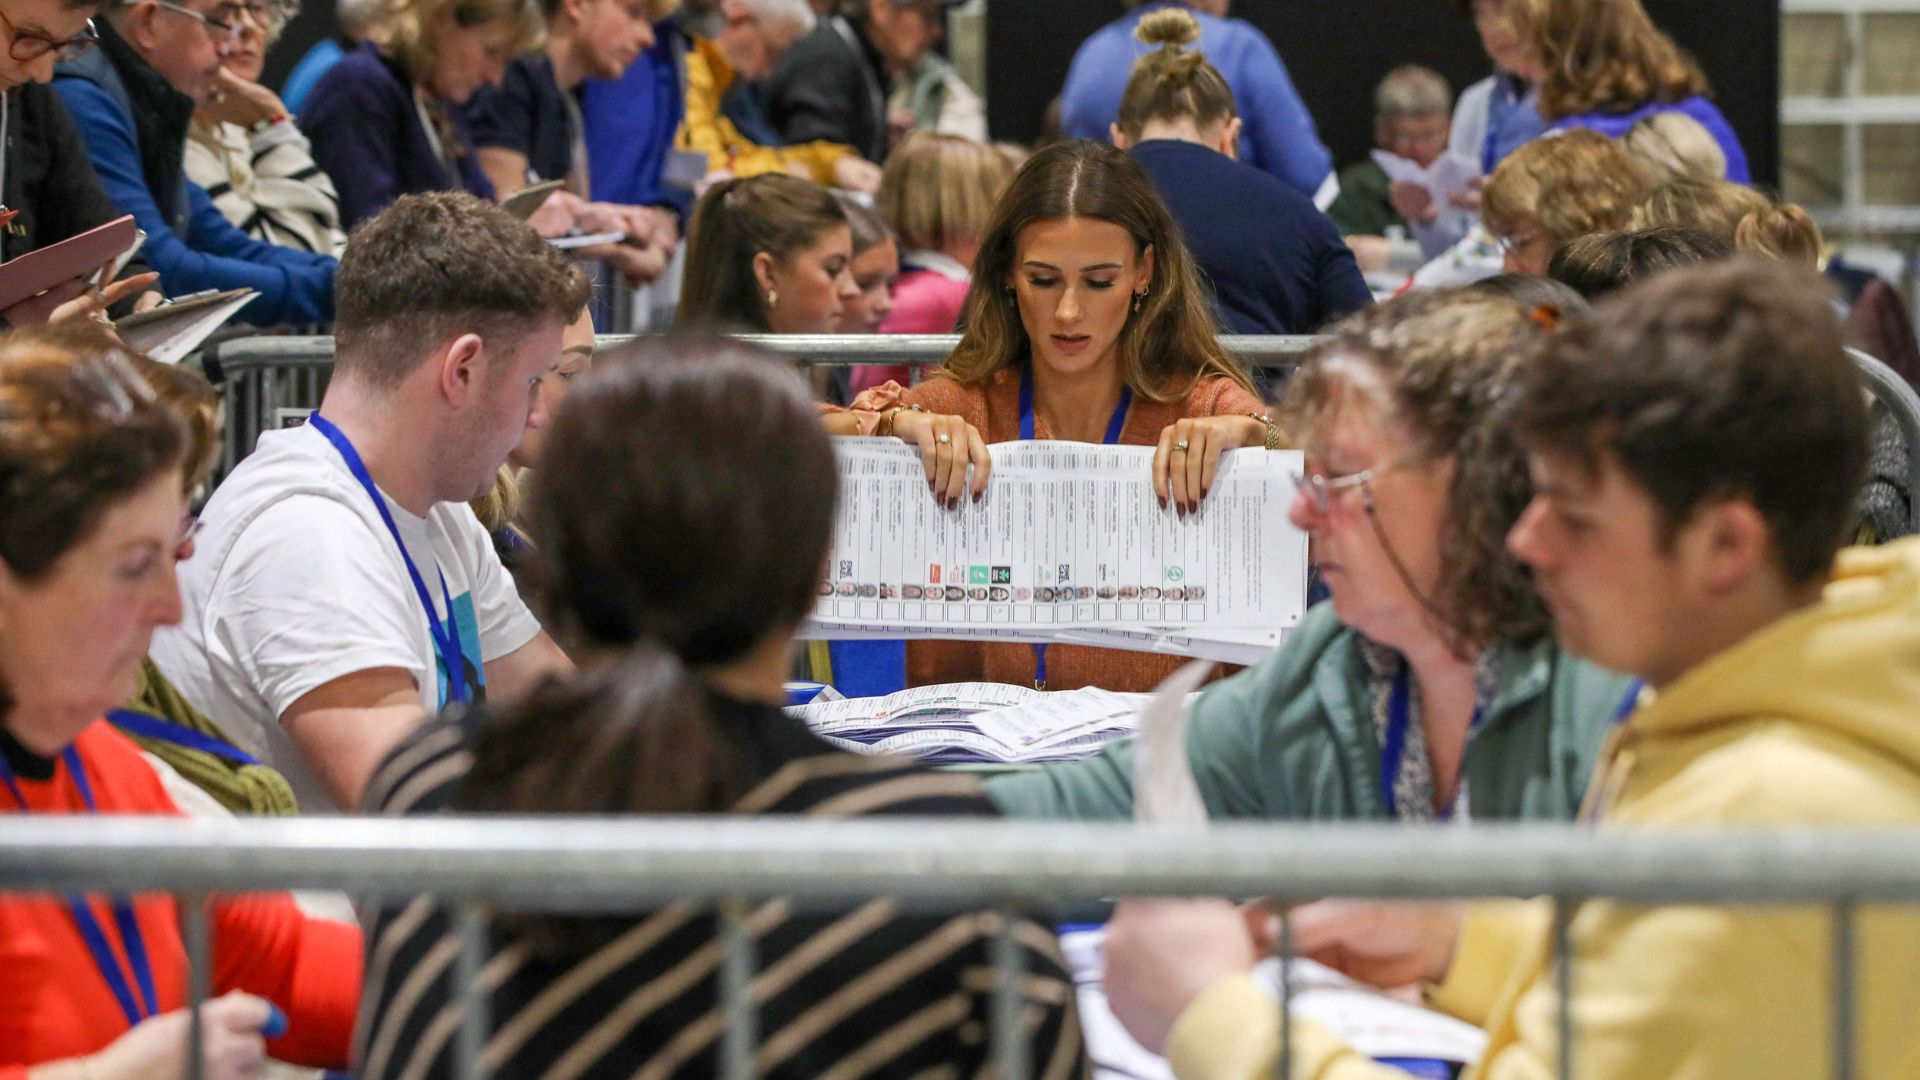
1604 56
1445 356
1166 347
736 220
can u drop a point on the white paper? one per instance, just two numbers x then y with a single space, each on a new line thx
1069 537
169 332
1051 718
976 723
568 243
1450 174
1164 792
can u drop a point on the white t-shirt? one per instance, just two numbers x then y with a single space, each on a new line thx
296 582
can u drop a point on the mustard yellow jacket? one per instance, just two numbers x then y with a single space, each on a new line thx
1814 720
706 130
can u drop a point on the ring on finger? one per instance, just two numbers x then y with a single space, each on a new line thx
1181 446
943 438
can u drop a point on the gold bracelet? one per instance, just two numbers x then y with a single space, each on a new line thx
885 429
1273 429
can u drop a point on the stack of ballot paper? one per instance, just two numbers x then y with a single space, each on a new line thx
977 723
1068 545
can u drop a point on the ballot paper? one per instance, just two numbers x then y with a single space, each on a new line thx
1450 174
976 723
1069 544
177 327
1164 791
1376 1023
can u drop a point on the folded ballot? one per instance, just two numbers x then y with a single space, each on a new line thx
178 326
977 723
1068 545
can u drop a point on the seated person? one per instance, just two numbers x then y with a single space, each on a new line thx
875 269
1292 275
770 254
1737 215
1279 137
342 589
1411 119
502 510
1694 445
1674 146
1086 322
1406 503
630 124
357 21
752 36
685 563
834 85
1555 189
1602 263
133 97
92 501
527 130
249 155
384 120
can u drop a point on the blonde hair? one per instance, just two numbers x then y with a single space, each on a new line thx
409 26
1604 56
1568 185
1675 146
939 190
1743 217
1172 83
499 507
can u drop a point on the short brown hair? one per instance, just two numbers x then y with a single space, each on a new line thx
80 430
1173 82
1568 184
439 264
1604 56
1603 263
939 190
735 220
1444 356
1719 381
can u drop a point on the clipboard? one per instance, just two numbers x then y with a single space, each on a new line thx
523 203
177 327
75 257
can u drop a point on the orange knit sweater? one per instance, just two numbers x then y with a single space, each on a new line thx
993 407
55 1003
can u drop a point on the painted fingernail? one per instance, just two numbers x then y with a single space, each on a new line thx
276 1024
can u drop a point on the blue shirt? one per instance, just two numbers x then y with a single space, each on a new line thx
526 113
1615 125
1279 136
301 80
1277 264
631 122
364 124
1513 120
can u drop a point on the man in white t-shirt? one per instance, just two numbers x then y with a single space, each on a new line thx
321 625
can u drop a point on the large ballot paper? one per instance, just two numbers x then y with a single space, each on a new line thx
1069 544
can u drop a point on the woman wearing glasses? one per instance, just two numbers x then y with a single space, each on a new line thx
246 151
1085 321
1430 686
93 475
383 120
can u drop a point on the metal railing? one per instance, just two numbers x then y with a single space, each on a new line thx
604 865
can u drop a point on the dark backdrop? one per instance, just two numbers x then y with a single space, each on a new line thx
1337 50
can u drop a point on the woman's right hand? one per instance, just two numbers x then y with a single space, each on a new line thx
156 1049
947 445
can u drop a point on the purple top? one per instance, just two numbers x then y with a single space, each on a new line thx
1615 125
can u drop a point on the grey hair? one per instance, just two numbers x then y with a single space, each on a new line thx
358 16
767 12
1412 90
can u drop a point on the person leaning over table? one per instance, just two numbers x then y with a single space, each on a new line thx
1085 321
1430 687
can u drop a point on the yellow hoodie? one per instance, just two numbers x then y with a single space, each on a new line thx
705 129
1814 720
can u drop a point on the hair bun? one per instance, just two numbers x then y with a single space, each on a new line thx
1170 27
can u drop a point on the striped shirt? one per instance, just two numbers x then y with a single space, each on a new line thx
869 992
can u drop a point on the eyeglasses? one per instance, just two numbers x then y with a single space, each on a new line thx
30 45
1322 488
223 29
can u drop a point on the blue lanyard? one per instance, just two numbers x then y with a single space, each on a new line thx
446 637
144 726
90 929
1394 752
1114 427
1629 703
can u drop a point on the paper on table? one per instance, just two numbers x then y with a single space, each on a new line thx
1164 792
1054 717
169 332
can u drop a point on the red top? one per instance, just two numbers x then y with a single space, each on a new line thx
55 1003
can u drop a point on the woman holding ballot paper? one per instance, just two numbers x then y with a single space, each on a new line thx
1430 686
1085 322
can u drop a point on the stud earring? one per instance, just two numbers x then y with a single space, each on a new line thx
773 298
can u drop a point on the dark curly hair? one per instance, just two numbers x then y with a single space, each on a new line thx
1445 356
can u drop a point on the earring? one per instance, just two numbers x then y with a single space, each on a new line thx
773 298
1012 297
1139 301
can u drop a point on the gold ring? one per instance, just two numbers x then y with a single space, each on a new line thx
1181 446
943 438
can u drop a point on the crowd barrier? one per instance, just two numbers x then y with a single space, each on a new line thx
477 865
269 382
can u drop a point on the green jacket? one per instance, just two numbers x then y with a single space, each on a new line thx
1293 738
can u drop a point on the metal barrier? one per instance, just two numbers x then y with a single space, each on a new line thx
1898 397
607 865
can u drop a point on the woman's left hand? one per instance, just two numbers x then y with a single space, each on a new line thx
1189 455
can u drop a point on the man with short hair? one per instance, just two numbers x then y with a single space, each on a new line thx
134 96
341 589
529 129
1279 136
1411 117
836 82
1695 445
